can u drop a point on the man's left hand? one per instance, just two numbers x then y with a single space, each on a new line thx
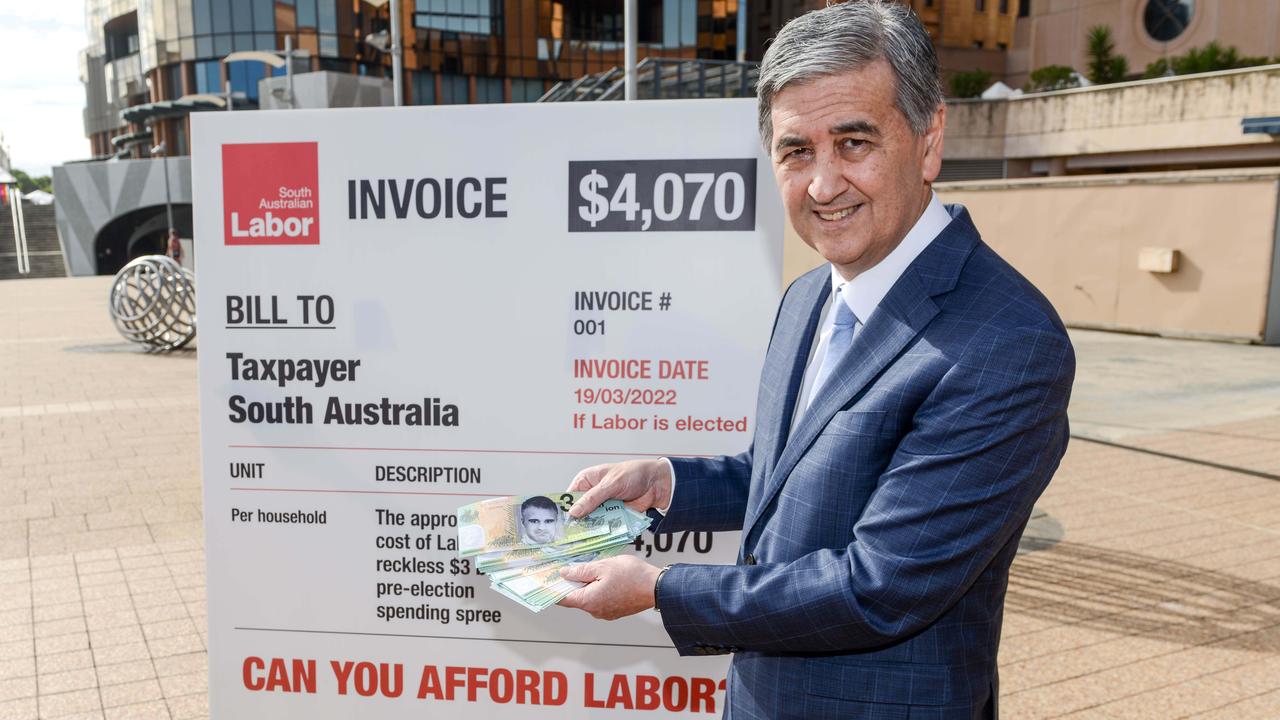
616 587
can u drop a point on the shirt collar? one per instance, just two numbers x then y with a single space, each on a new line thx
864 293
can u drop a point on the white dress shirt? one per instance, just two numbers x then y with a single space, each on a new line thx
864 292
863 295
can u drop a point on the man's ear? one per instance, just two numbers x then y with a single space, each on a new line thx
932 164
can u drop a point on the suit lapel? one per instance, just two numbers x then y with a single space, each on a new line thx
903 313
784 371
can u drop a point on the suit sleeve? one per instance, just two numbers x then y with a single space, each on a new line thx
958 488
711 494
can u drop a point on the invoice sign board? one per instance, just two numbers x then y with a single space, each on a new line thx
406 310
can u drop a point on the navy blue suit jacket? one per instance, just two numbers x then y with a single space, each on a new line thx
877 536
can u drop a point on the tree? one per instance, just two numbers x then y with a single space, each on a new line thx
1052 77
1105 66
28 184
970 84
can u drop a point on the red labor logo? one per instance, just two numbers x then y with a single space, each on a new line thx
271 193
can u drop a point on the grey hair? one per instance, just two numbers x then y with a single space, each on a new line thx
845 37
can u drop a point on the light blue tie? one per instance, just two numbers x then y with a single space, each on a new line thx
842 332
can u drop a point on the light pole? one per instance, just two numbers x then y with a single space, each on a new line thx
162 151
397 69
742 31
382 43
629 48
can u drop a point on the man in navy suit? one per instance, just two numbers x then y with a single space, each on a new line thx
912 407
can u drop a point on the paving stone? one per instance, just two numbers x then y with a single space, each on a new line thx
126 672
1265 706
196 662
189 707
120 653
62 704
123 635
66 681
131 693
20 709
155 710
64 626
17 649
58 662
17 687
18 667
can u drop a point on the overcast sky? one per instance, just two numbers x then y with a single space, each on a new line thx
41 98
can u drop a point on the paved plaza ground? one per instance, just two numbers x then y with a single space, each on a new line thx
1151 588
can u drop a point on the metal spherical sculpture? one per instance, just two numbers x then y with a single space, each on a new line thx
153 303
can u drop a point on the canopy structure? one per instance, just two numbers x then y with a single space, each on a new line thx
184 105
120 142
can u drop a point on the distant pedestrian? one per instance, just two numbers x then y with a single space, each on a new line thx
175 246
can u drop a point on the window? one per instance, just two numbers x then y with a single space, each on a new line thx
1004 7
526 90
489 90
328 46
264 18
980 5
209 77
307 14
679 23
453 89
121 36
602 22
244 77
328 17
424 87
549 49
1024 8
1165 20
462 16
172 81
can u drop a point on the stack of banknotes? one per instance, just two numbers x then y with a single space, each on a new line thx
522 542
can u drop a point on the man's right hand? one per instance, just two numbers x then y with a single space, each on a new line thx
642 484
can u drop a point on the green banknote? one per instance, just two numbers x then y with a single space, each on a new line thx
526 521
522 542
539 586
625 525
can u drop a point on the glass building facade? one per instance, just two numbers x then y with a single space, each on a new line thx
454 51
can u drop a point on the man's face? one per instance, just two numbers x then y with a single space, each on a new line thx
853 176
539 524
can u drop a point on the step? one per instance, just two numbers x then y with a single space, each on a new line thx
40 224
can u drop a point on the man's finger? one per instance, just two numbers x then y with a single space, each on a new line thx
592 498
585 479
581 572
572 600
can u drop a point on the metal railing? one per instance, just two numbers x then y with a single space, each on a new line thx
663 78
19 231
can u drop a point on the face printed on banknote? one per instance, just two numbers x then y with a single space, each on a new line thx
541 521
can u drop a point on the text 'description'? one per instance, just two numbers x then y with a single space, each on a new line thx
654 195
270 193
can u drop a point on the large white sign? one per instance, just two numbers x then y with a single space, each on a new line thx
406 310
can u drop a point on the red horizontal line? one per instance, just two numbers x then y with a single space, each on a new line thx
464 450
364 492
